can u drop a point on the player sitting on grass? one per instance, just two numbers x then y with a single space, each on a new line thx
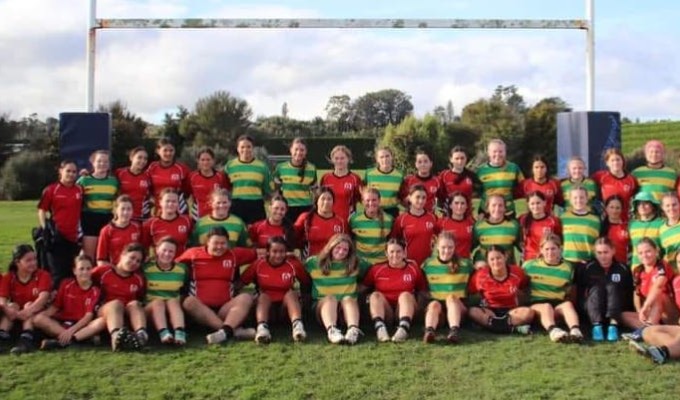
122 287
70 317
164 279
275 276
24 292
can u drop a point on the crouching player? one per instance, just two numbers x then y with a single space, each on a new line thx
274 277
70 318
500 286
164 279
122 287
214 271
447 278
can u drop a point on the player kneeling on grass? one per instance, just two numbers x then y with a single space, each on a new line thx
500 286
122 287
447 278
214 271
164 279
70 317
335 274
550 278
395 283
274 277
24 292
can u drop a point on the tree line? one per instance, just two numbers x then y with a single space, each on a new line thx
217 119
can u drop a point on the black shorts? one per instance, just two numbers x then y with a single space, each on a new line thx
553 303
248 210
92 223
500 312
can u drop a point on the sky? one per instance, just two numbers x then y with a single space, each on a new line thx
43 47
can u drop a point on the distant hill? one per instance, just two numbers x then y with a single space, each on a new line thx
634 136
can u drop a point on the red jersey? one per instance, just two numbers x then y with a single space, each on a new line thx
551 189
462 234
212 277
173 176
392 282
316 234
611 185
201 187
499 294
432 186
451 182
179 228
21 293
643 279
676 290
534 230
261 231
64 203
117 287
137 186
346 192
73 302
113 239
275 282
418 232
618 234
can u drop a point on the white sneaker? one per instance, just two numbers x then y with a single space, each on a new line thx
558 335
382 335
216 337
353 335
244 333
400 335
335 335
575 335
299 334
262 335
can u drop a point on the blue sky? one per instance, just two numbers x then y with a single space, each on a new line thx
43 45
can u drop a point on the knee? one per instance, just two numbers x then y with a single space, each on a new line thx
434 307
243 300
376 298
407 298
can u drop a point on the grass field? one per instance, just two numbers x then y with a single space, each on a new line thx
634 136
484 366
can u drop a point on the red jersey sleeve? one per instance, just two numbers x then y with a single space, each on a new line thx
97 273
369 278
103 253
300 272
4 285
299 229
46 199
473 284
59 300
187 256
44 281
421 281
249 274
397 231
244 255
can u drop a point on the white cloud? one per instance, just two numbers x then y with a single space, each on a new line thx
43 67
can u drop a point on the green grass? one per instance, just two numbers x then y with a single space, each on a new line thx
634 136
484 366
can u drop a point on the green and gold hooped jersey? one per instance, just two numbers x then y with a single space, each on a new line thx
370 236
587 183
639 229
442 282
548 282
98 193
579 233
336 283
249 181
296 189
656 181
236 228
388 184
500 181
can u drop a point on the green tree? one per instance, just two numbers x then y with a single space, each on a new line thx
128 131
218 119
540 136
501 116
338 113
379 109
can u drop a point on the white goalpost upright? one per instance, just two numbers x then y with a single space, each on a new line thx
587 24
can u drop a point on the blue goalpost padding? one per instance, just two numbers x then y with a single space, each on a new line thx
81 133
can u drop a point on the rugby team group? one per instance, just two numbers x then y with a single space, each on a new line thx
156 245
